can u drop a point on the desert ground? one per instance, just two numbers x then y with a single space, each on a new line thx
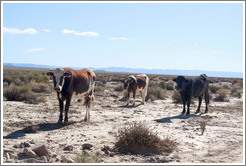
221 142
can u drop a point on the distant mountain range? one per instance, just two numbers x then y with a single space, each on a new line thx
146 71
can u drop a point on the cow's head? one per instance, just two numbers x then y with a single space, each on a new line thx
59 76
128 81
181 82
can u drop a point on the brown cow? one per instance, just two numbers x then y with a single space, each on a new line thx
66 81
136 83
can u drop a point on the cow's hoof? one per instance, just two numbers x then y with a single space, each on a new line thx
187 113
197 111
59 122
206 111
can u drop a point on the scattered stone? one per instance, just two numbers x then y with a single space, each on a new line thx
6 150
67 159
22 145
41 150
111 154
32 142
44 158
87 146
106 149
7 156
29 153
68 148
13 156
52 154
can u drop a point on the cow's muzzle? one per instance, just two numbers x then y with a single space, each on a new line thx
57 89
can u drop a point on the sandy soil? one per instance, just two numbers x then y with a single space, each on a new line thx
222 141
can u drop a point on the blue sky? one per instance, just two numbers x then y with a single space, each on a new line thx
186 36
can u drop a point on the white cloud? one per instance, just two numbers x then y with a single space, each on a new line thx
35 50
66 31
30 31
118 38
46 30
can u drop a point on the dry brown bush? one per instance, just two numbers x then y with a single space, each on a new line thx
177 97
214 88
155 93
119 88
136 138
221 95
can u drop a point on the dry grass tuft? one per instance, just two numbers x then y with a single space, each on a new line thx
136 138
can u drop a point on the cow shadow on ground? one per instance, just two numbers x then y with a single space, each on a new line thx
169 119
37 128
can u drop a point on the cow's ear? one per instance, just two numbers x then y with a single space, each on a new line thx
68 74
175 79
50 73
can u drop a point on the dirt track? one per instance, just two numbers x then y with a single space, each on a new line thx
222 141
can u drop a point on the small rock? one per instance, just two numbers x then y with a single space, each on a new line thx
52 154
111 154
13 156
43 158
6 150
32 142
87 146
68 148
41 150
29 153
67 159
7 156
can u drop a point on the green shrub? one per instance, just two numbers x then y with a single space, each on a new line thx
136 138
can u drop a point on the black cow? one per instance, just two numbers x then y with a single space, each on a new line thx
66 81
188 88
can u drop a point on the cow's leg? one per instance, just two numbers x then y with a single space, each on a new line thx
199 104
143 95
128 98
207 102
184 104
61 104
66 109
133 95
87 104
188 107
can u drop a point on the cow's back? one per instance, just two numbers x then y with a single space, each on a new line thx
200 85
82 79
142 81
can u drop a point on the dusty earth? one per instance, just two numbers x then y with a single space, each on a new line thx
222 141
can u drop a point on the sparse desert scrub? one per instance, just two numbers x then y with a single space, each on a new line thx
136 138
155 93
119 88
22 93
235 92
168 85
86 157
221 95
99 87
40 87
177 97
214 88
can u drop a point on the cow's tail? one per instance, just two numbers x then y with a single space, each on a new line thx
206 81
